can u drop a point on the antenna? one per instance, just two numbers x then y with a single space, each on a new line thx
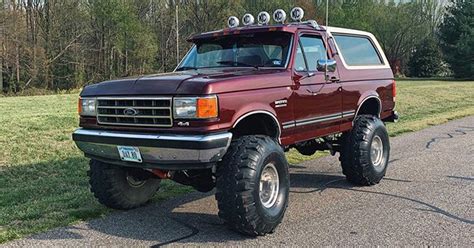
327 42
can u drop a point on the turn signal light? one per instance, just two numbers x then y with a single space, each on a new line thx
207 107
79 106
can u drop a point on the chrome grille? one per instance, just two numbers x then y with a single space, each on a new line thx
147 112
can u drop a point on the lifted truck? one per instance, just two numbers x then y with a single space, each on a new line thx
238 100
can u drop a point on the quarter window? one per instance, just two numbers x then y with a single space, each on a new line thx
357 50
300 64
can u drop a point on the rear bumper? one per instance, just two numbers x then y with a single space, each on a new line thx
393 117
163 151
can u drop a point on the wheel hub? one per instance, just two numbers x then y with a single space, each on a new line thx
376 151
269 186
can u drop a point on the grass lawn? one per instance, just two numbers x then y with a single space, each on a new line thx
43 175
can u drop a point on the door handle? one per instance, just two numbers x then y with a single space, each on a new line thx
334 79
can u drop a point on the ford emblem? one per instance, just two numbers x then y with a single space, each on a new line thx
130 111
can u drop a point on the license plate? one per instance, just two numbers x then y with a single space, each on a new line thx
130 154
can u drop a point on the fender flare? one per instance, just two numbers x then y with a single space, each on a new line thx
266 112
376 96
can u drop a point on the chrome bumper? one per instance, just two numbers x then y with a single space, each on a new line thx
164 151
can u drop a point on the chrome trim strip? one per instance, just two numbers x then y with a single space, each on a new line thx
137 116
339 116
175 137
125 107
289 125
319 117
133 98
348 113
133 124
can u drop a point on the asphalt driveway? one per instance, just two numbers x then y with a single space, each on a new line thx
427 198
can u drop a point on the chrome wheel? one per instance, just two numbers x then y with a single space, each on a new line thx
376 151
269 186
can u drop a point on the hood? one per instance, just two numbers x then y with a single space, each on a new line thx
190 82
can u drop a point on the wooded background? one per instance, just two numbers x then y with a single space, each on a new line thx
65 44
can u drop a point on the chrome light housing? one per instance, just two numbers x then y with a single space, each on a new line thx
195 107
185 107
279 16
87 107
297 14
233 22
248 19
263 18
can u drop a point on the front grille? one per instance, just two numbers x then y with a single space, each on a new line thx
146 112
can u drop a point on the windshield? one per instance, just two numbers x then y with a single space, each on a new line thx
268 49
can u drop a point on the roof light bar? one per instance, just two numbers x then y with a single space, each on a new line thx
279 16
297 14
233 22
248 19
263 18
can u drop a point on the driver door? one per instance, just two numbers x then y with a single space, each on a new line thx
317 97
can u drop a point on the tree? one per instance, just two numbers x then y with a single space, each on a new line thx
457 38
426 60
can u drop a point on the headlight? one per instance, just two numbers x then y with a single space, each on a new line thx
195 107
86 107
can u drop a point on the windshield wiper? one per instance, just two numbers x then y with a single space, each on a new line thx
236 63
184 68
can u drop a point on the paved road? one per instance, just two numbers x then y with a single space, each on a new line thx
427 198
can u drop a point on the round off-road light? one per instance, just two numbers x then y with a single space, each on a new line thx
297 14
233 22
248 19
279 16
263 18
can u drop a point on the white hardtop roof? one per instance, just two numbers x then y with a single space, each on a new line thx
385 65
347 31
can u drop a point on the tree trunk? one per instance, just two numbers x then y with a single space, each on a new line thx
17 64
2 62
49 81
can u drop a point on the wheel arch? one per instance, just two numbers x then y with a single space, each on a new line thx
370 104
260 122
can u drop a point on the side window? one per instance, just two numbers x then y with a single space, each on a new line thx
313 48
357 50
300 64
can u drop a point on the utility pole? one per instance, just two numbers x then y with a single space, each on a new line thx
2 46
177 35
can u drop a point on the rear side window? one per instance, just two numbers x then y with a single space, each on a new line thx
357 50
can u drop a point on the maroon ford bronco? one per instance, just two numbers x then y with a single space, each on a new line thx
238 100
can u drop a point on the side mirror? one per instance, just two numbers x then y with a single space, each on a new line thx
330 64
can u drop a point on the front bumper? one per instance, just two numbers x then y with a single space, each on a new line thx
162 151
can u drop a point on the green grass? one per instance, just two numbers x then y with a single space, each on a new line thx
43 175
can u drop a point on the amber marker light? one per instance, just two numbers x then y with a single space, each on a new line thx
207 107
79 106
394 89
